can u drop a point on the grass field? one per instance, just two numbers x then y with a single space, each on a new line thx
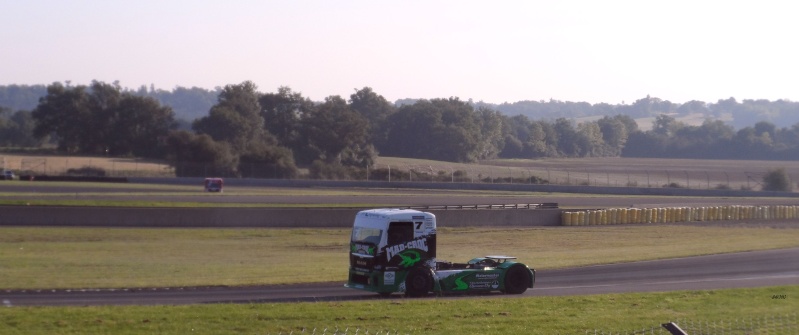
617 313
113 258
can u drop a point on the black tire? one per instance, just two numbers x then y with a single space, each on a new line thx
418 282
517 279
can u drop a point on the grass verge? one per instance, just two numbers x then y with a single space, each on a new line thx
536 315
43 257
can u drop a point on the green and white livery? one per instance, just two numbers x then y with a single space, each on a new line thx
394 250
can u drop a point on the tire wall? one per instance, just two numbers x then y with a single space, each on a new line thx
613 216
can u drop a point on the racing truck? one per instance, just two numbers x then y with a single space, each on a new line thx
394 251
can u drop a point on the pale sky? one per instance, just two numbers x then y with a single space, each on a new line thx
494 51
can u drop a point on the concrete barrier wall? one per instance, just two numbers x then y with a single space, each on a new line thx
252 217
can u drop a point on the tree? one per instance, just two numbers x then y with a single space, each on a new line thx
333 127
20 130
63 112
443 129
200 156
281 112
457 134
614 134
262 160
542 140
777 180
491 139
589 139
139 126
645 144
372 106
375 109
102 120
568 140
665 125
515 130
766 127
748 143
235 119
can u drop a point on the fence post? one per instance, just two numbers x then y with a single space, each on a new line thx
687 180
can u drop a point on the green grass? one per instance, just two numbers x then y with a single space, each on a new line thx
488 315
128 257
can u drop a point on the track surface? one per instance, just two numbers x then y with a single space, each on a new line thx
359 197
748 269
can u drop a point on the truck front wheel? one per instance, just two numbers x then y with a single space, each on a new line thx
418 283
517 279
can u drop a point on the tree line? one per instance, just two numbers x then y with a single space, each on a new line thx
340 137
191 103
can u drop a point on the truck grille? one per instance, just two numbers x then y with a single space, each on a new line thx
360 279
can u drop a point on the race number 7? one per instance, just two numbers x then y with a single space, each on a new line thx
418 225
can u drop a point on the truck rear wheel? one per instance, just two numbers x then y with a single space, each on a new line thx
418 283
517 279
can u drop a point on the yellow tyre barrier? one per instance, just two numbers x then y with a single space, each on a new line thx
678 214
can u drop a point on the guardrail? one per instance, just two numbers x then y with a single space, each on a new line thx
500 206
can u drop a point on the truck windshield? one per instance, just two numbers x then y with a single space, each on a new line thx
367 235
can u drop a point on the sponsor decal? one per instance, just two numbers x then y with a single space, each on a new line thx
483 281
460 285
389 277
409 258
364 249
479 285
418 217
419 244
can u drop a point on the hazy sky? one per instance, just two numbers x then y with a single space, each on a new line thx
495 51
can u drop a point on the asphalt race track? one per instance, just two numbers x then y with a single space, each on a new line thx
748 269
357 197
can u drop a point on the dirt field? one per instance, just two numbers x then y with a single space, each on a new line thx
613 171
57 165
636 172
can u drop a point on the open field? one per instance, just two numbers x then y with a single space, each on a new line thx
56 165
623 313
610 171
613 171
113 258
